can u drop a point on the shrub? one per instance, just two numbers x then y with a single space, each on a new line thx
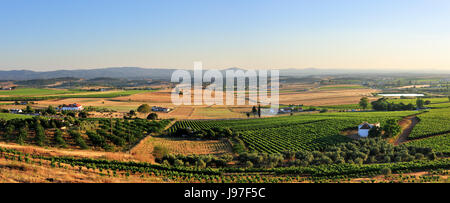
152 116
160 151
144 108
391 128
386 171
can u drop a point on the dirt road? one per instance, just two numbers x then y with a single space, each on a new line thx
407 125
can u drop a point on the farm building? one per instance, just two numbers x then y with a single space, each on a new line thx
160 109
364 128
15 111
70 107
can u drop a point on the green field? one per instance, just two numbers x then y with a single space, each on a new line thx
341 87
37 92
9 116
413 101
70 95
435 103
440 143
434 122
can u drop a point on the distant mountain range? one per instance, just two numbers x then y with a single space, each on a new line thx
122 72
165 74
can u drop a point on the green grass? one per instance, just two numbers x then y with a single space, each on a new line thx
63 96
9 116
413 101
36 92
341 87
435 103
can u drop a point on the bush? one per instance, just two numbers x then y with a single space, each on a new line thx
375 132
391 128
386 171
152 116
248 164
144 108
160 151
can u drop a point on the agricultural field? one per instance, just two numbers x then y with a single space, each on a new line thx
293 133
121 171
144 150
74 133
9 116
434 122
31 95
278 149
37 92
440 143
340 87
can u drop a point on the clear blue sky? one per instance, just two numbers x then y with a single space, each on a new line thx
72 34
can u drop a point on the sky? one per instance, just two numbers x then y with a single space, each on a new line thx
254 34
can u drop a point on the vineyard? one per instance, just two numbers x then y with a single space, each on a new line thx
293 133
440 143
434 122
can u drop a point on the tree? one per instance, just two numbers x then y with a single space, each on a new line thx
323 110
391 128
40 134
29 110
59 140
375 131
259 111
364 102
254 110
83 114
132 113
23 134
9 133
152 116
50 110
420 103
144 108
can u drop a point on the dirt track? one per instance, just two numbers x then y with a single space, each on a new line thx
407 125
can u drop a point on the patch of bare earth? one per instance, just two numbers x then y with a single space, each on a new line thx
143 151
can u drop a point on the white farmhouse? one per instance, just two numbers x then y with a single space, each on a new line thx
71 107
363 129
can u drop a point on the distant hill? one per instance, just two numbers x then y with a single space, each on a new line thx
165 74
122 72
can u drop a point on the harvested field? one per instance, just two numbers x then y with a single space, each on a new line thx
325 97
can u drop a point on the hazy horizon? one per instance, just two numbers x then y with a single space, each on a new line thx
318 70
47 35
